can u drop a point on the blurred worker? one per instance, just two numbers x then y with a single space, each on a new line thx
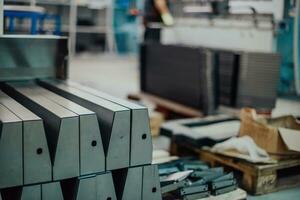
156 12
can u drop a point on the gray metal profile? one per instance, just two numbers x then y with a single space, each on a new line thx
193 189
91 187
105 187
87 188
151 184
141 140
114 122
92 158
61 127
36 158
11 167
129 183
196 196
52 191
32 192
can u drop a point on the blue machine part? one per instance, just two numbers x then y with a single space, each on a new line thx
286 47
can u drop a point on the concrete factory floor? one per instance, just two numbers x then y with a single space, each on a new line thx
119 75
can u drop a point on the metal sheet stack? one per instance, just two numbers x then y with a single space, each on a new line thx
204 78
62 140
191 179
247 78
179 73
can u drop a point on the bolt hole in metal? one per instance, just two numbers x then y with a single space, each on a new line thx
39 151
154 190
109 198
94 143
144 136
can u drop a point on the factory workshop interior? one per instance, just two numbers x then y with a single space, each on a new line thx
149 100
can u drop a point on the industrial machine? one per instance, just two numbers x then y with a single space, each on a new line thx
62 140
268 26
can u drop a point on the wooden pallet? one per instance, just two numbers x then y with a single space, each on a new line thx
257 179
167 107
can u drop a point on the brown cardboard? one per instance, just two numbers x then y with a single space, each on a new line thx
280 136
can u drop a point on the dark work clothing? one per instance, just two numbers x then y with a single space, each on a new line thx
152 35
151 13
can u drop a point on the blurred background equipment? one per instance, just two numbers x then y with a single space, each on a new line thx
205 78
214 99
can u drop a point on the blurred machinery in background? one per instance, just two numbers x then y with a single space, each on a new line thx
258 26
206 78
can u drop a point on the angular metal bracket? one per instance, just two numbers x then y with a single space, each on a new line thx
91 187
128 183
151 183
11 167
52 191
87 189
105 187
92 158
114 122
31 192
141 140
61 126
36 158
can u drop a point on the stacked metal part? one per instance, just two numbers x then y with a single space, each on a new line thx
204 78
61 140
72 142
191 179
227 65
179 73
248 78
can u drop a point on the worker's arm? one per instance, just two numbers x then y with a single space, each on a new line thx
162 7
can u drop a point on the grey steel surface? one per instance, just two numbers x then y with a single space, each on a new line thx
105 187
91 187
151 184
196 196
31 193
87 189
61 126
223 184
178 73
173 186
11 161
193 189
114 122
25 57
36 158
52 191
228 176
258 80
141 140
92 158
129 183
224 190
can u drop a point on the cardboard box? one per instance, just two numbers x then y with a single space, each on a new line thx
278 136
